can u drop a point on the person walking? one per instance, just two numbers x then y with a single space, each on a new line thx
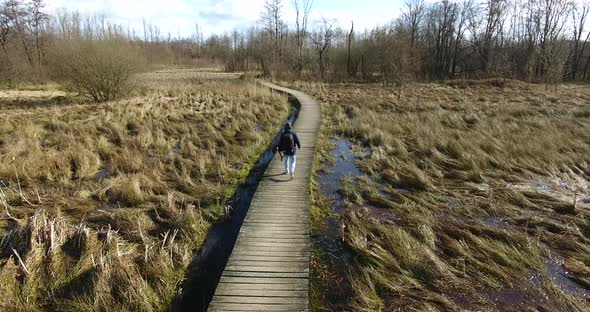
288 146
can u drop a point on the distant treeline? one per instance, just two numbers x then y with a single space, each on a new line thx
533 40
33 42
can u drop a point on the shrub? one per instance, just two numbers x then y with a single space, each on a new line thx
99 70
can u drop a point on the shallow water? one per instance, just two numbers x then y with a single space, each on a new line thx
102 174
329 240
259 127
566 187
497 223
176 148
561 278
344 167
554 270
512 298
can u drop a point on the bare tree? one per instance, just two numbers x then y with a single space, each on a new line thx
37 22
4 30
441 26
412 17
579 17
487 29
322 40
274 25
350 69
466 10
303 10
17 14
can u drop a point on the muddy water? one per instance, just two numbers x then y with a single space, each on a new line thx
559 276
555 273
328 241
206 268
344 167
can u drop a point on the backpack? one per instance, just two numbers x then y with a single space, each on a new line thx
287 143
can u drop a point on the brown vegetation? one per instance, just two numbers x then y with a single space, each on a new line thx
488 185
103 206
100 70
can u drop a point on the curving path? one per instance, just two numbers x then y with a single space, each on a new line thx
268 269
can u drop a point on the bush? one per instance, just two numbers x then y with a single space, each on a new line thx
100 70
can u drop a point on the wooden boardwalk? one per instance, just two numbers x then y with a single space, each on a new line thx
268 269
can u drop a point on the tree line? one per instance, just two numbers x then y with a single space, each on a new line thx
533 40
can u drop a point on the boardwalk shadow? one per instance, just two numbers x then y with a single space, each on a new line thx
274 175
284 180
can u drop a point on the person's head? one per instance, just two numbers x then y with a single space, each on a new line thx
288 126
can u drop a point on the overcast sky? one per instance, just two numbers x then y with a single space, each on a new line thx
218 16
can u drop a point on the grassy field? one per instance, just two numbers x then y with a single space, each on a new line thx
474 195
103 205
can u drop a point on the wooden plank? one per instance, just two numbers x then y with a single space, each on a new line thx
256 307
269 253
225 291
280 263
268 269
269 259
263 280
284 249
275 236
266 274
261 287
278 240
274 245
260 300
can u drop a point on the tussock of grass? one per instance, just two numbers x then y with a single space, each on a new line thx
467 152
111 201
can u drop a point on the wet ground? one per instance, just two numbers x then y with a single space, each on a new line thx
328 241
566 186
335 253
338 257
555 273
344 168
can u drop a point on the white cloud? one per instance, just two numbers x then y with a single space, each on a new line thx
179 17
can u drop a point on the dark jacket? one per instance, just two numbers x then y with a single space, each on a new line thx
295 140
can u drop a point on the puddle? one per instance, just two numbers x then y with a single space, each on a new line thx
561 278
206 267
554 270
379 215
565 187
176 148
454 204
512 298
335 254
102 174
344 167
259 127
497 223
402 191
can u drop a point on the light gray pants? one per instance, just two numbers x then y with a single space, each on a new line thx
290 163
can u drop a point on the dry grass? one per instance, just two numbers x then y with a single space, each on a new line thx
103 206
482 177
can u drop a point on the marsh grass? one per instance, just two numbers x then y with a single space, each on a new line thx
445 159
104 205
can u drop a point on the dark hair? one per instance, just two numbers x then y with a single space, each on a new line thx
288 126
